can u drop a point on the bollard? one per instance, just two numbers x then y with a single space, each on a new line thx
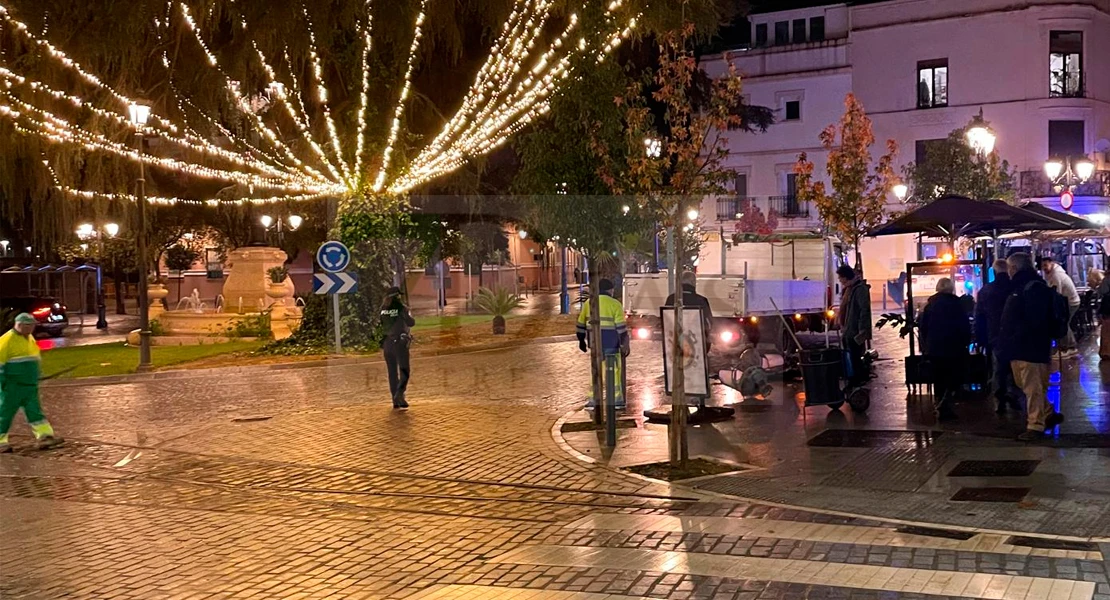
610 401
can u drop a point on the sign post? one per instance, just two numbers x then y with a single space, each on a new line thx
334 257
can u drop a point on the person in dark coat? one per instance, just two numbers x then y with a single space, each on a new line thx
1025 339
396 322
855 321
945 336
693 300
988 322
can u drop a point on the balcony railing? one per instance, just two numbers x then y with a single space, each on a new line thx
729 207
789 207
1035 184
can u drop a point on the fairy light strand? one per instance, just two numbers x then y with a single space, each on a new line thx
323 97
395 126
511 89
364 95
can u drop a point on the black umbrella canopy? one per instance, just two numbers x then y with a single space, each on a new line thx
959 216
1073 222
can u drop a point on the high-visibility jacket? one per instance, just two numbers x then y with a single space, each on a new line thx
613 328
19 359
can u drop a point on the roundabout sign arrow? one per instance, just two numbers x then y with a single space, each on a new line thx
333 257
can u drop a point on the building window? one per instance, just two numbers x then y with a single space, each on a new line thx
799 26
1065 63
922 148
740 185
932 83
782 33
1065 139
816 29
793 110
761 35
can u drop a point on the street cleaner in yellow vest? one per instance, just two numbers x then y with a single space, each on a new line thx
614 337
19 384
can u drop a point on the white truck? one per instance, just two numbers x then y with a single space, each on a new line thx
798 273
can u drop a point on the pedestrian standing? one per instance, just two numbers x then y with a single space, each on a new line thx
988 321
855 321
19 384
396 322
1025 339
691 299
1060 281
945 336
614 336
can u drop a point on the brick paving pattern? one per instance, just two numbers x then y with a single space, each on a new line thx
302 483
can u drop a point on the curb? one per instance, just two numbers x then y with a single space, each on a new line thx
707 495
334 361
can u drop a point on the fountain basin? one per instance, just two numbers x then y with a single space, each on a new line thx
187 322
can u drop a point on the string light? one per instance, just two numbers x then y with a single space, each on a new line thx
399 110
322 94
512 88
364 96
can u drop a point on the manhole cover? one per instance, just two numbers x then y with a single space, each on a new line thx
991 494
994 468
577 426
1048 544
863 438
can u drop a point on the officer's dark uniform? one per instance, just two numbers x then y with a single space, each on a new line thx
396 322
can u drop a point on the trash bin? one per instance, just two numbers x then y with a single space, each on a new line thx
821 370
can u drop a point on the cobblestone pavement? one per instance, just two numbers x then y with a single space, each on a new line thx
302 483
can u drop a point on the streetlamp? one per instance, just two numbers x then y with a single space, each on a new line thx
140 113
86 232
1066 175
291 222
4 244
900 190
980 136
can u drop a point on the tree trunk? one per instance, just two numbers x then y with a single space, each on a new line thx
677 442
117 284
596 360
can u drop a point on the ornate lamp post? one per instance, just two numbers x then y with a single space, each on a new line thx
139 115
85 232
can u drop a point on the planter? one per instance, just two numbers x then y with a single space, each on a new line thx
155 294
499 325
277 291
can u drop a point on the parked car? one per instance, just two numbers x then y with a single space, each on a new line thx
50 314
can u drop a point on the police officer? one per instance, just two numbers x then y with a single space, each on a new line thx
19 384
396 321
614 335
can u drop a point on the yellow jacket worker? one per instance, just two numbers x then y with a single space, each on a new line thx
614 335
19 384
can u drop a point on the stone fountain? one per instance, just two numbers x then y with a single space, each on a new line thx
246 294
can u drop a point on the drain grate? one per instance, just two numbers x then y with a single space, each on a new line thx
577 426
991 494
864 438
1049 544
948 534
994 468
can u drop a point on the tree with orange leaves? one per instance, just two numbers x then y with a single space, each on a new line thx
858 196
677 161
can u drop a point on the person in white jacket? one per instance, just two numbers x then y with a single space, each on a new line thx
1060 281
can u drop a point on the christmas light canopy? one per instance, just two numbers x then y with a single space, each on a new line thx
281 142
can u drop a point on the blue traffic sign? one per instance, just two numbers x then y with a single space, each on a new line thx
333 257
334 283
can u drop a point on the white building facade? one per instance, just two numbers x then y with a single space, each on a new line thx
1038 69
